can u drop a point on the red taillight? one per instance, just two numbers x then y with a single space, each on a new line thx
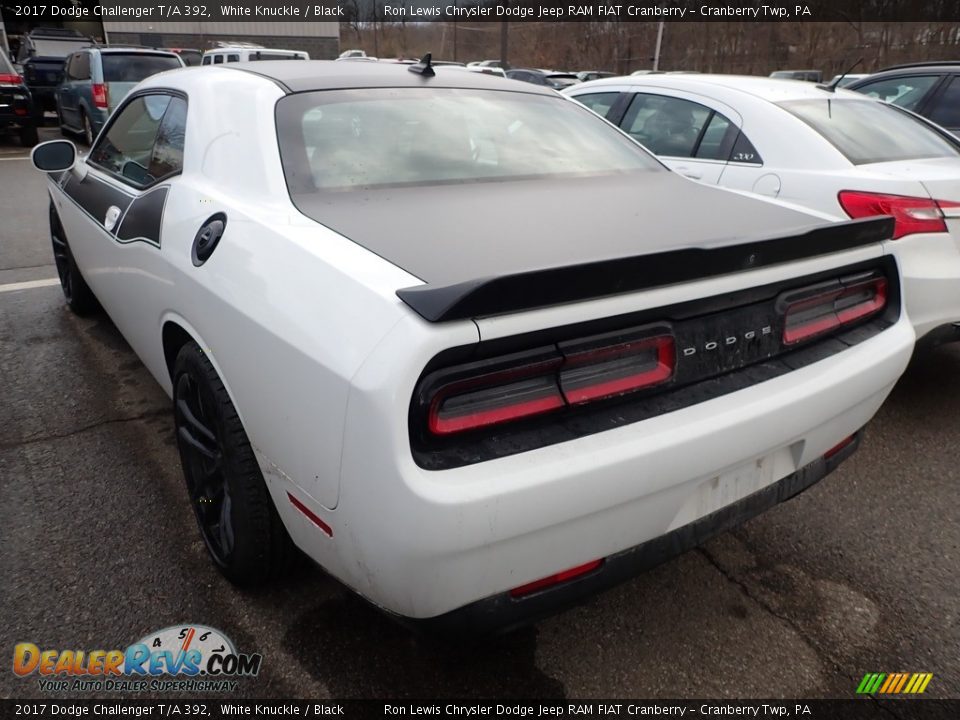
6 79
609 371
100 95
582 371
555 579
911 214
496 398
813 311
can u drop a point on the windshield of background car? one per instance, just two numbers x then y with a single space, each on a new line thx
866 131
349 139
134 67
57 47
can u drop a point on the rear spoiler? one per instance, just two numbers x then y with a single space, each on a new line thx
554 286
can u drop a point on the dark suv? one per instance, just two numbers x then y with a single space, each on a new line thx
930 89
41 55
16 107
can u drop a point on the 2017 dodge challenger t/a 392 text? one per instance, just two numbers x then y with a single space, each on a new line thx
382 350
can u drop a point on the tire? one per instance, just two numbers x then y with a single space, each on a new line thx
238 522
80 298
87 132
29 136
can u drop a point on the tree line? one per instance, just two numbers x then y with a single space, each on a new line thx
752 48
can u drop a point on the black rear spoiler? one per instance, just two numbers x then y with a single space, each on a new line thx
553 286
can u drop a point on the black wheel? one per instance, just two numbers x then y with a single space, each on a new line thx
29 136
80 298
87 129
238 522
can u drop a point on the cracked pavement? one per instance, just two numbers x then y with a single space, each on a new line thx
858 574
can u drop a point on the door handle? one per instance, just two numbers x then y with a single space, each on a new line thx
690 173
110 219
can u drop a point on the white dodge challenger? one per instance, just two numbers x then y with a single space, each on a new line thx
462 342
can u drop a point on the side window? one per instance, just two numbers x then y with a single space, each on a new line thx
717 139
903 91
205 60
600 103
167 156
665 125
744 152
233 58
947 110
144 142
217 59
80 66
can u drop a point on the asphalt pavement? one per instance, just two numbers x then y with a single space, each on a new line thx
98 545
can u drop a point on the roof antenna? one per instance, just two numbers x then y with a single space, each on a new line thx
423 67
832 87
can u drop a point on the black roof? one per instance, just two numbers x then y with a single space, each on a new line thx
306 75
946 64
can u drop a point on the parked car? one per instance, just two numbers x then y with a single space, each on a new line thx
41 56
814 76
97 79
190 56
489 63
16 105
587 75
930 89
469 417
550 79
837 153
847 80
244 53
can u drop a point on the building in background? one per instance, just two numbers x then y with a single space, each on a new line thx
320 39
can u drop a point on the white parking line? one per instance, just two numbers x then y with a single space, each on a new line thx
28 285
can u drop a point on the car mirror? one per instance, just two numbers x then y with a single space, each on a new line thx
54 156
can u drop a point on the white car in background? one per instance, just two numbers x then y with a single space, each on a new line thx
247 52
836 152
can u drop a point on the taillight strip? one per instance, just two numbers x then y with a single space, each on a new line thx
831 316
581 372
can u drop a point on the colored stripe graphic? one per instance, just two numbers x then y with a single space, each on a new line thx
894 683
903 681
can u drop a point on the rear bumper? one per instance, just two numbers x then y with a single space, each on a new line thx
503 612
423 544
930 267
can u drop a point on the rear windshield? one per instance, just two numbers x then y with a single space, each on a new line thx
57 47
348 139
866 131
134 67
